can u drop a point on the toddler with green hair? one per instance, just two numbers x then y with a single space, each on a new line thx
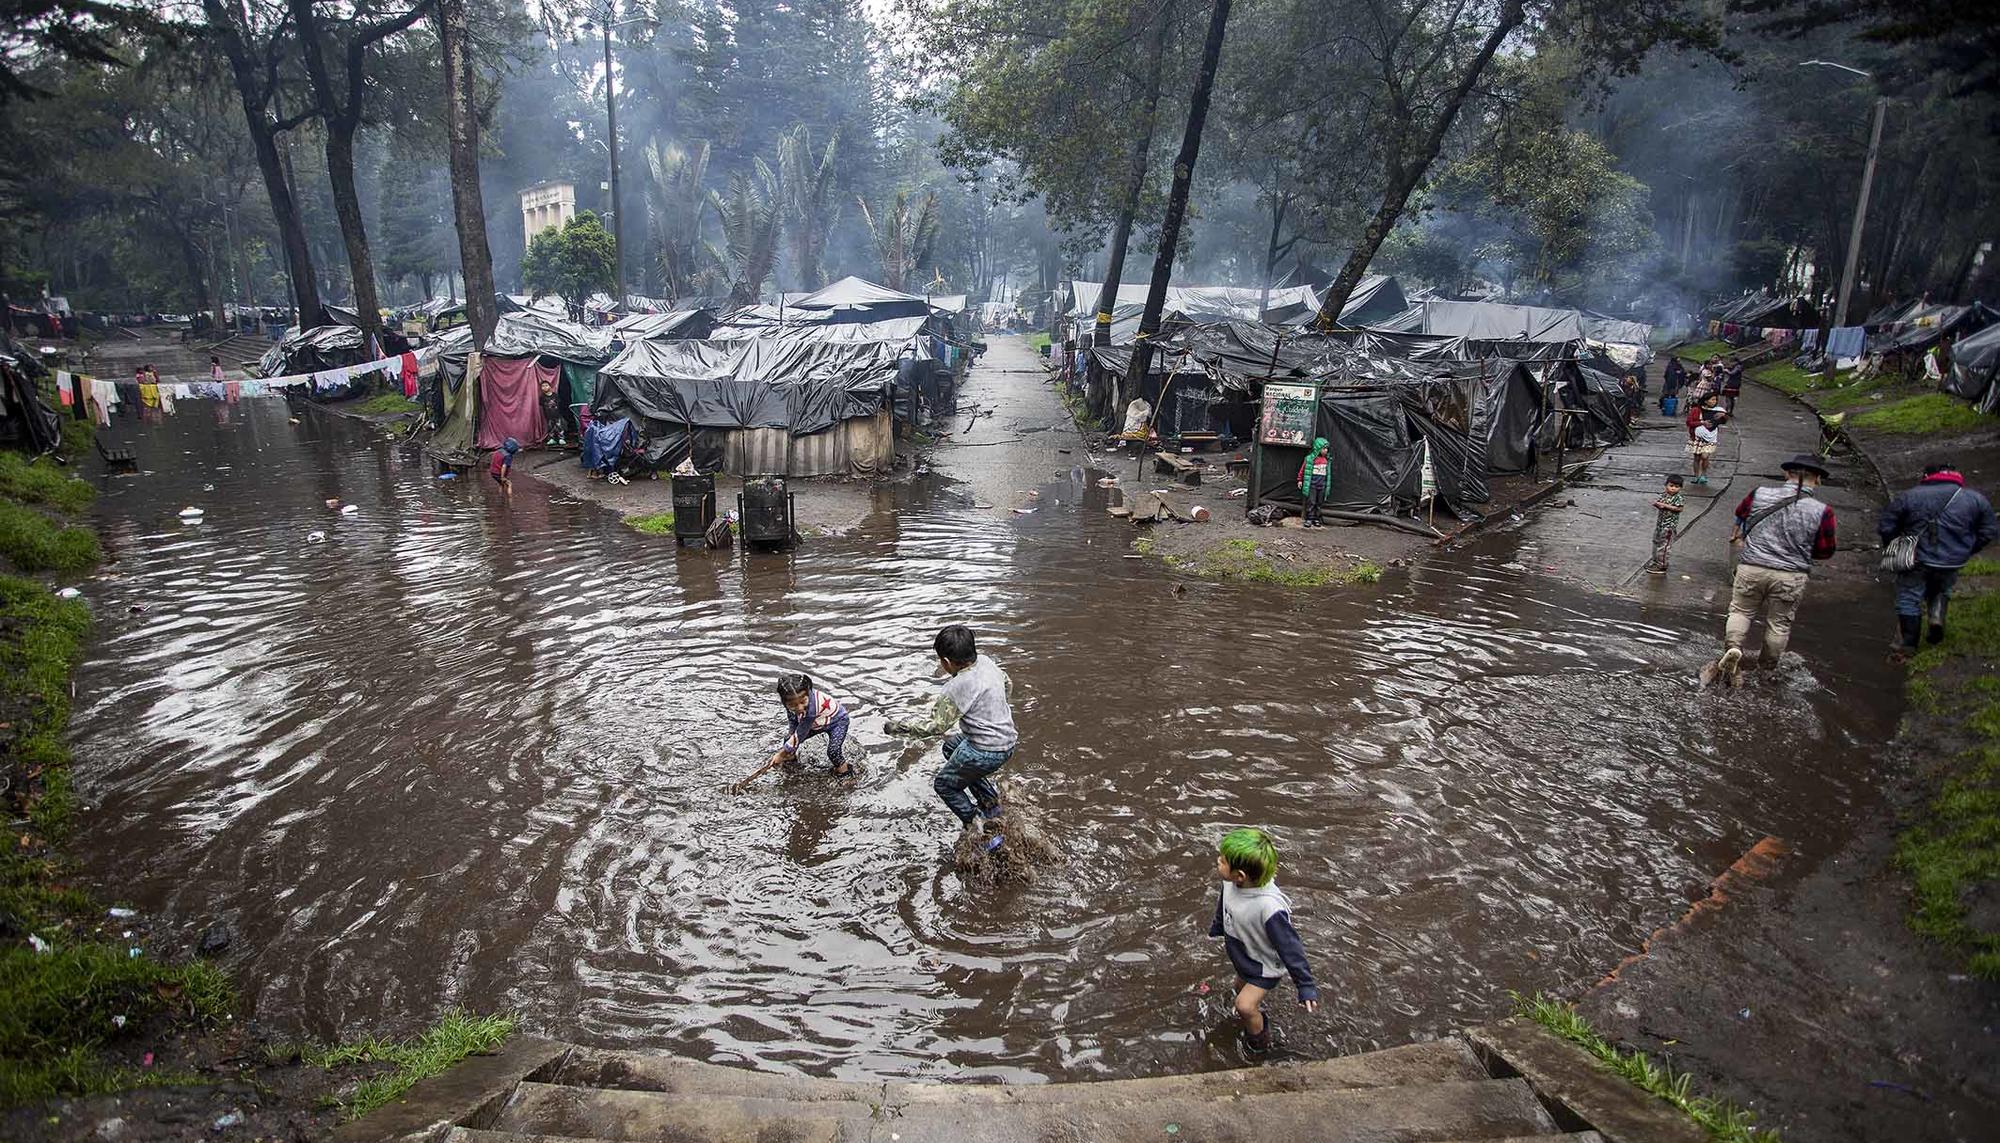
1254 920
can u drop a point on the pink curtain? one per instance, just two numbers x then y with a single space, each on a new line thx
510 401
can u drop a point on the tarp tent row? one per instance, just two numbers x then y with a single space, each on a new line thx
1765 310
1920 326
1975 370
1376 296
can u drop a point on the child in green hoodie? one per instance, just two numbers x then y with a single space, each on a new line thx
1315 480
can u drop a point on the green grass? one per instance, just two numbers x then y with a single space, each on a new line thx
1980 566
458 1035
656 524
385 405
1242 560
1039 341
1724 1121
43 482
56 1008
1698 352
1923 415
1954 850
77 437
32 542
1785 377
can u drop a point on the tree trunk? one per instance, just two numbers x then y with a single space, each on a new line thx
462 127
256 97
1405 177
1273 249
353 231
1177 197
1128 206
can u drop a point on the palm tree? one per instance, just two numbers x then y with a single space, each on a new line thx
750 231
903 237
679 204
811 210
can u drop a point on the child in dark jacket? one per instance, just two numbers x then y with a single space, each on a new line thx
1254 919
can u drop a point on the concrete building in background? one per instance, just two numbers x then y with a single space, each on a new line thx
546 205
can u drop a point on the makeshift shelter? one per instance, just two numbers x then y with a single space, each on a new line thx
314 350
1921 326
757 406
1975 370
26 421
675 324
1764 310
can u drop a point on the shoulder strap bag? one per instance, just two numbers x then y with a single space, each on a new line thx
1900 554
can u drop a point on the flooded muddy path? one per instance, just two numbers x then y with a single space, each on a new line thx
473 752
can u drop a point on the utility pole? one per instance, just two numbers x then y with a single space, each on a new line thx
1861 204
611 122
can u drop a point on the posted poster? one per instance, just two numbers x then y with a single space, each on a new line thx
1290 412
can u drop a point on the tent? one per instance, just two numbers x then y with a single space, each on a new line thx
1764 310
1975 370
746 405
1922 326
312 350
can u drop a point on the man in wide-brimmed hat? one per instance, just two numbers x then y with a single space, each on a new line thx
1780 530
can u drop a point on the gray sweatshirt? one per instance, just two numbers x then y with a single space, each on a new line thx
979 695
1256 928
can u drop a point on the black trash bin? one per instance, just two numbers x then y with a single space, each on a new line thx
765 511
694 506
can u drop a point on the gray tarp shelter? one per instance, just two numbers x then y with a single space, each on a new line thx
1975 370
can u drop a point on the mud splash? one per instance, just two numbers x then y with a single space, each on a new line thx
466 753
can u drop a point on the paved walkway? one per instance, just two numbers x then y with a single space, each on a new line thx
1604 539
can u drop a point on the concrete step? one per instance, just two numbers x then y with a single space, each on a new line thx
616 1114
1438 1061
1456 1110
471 1135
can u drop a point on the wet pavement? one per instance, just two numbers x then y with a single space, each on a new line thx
475 752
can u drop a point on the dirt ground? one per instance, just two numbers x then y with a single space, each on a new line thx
1807 998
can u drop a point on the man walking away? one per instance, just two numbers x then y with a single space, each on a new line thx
1951 523
1780 530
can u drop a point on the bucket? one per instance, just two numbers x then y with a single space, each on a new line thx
694 506
1670 405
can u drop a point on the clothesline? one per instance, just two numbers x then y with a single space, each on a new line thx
105 396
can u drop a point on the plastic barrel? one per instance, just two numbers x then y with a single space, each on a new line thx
767 511
694 506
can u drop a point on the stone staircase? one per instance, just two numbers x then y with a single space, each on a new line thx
1506 1082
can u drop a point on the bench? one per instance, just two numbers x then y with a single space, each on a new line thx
116 457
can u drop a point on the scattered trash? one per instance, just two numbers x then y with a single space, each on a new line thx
349 509
39 945
122 913
215 940
1173 1129
1201 989
227 1120
118 1021
192 513
208 488
69 593
132 953
1237 493
1514 566
333 502
1107 482
1902 1087
1199 513
447 476
981 504
1743 1014
110 1131
136 608
295 420
315 537
1024 511
146 1061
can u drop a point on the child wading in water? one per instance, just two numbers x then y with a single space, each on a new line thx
974 700
1668 507
1254 920
501 467
808 712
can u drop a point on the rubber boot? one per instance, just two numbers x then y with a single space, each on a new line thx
1258 1043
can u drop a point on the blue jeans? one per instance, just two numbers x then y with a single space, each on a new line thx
966 768
1925 591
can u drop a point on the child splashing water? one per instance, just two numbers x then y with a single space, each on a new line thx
1254 919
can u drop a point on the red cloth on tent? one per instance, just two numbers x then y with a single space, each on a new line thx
510 401
410 375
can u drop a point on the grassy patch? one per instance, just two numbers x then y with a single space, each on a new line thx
1039 341
1921 415
1079 410
42 482
77 437
1954 851
1980 566
1722 1120
385 405
1698 352
57 1008
1786 378
656 524
458 1035
32 542
1243 560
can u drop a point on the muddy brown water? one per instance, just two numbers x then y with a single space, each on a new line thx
471 753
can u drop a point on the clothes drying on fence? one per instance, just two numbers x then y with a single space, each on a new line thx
1846 341
510 400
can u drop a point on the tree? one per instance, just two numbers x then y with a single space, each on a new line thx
807 185
571 261
77 31
339 103
254 46
750 232
680 201
462 128
413 220
903 237
1170 227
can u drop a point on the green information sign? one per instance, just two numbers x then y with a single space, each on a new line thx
1290 414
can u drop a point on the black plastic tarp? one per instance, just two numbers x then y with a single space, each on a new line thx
1975 370
1599 405
801 386
527 333
1377 460
311 350
1509 416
